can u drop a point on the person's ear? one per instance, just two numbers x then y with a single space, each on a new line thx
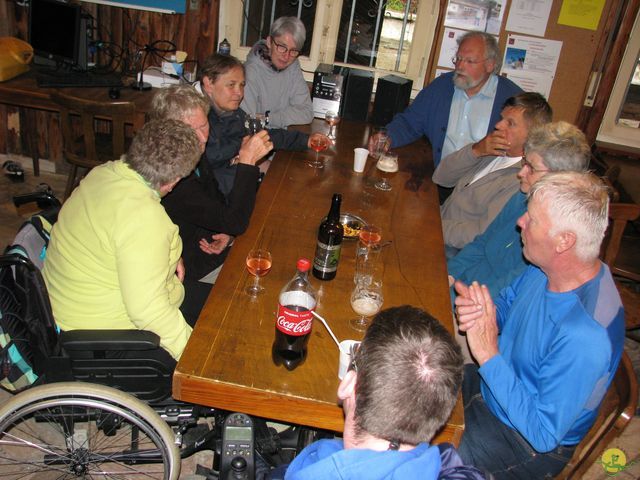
565 241
347 386
489 66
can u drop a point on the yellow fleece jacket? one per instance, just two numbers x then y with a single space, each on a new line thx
112 259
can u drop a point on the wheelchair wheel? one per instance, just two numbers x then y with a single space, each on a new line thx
81 430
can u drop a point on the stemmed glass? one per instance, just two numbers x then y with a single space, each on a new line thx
258 264
332 119
319 143
388 165
366 301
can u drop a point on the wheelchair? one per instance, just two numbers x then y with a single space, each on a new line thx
82 413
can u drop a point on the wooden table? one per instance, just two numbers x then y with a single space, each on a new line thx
227 362
23 91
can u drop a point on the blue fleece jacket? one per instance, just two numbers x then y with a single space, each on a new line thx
558 355
428 114
494 258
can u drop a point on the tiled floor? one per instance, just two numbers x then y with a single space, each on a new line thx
10 221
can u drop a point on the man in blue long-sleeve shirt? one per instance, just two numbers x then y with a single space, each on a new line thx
550 345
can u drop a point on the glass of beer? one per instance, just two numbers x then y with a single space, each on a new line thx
366 301
388 166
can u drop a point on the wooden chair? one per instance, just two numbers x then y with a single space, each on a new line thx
90 149
619 215
616 411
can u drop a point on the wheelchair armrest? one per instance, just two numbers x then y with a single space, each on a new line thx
96 340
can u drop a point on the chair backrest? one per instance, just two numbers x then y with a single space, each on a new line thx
616 411
619 215
85 153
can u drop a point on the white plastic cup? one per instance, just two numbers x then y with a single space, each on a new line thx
345 357
359 159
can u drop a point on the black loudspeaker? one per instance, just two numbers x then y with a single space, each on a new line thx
356 95
392 96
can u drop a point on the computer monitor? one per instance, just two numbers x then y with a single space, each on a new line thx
54 32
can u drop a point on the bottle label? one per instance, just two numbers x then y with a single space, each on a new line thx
294 320
327 257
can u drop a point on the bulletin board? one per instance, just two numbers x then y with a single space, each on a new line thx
572 77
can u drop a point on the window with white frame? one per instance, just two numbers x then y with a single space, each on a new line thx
384 36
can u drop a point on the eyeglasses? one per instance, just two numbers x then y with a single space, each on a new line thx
293 52
527 164
468 61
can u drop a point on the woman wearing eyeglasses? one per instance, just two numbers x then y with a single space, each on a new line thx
274 78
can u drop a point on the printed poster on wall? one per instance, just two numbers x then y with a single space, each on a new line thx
475 15
531 62
529 16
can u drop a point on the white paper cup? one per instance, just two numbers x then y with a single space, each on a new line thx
345 357
359 159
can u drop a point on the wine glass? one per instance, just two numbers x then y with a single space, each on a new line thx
366 301
319 143
258 264
388 166
255 123
332 119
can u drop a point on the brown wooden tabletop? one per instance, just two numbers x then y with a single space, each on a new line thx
227 363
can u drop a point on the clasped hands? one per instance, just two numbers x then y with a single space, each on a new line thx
476 315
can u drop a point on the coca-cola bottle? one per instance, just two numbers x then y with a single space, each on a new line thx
330 233
293 323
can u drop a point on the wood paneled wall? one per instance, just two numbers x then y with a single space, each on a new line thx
194 32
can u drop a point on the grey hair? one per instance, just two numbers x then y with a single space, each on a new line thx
291 25
491 48
409 372
163 151
176 101
577 202
561 146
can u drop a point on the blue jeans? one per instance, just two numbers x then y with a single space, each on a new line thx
496 448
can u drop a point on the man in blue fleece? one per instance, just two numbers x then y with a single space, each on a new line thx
550 345
401 389
494 258
459 107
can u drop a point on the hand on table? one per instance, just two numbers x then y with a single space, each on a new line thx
494 144
219 242
476 314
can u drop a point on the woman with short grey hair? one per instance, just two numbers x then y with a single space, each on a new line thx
275 84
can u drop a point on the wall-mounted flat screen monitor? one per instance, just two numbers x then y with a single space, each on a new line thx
54 30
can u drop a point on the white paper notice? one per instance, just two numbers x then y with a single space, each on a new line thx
531 62
449 47
529 16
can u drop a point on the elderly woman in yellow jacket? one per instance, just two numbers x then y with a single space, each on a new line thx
114 257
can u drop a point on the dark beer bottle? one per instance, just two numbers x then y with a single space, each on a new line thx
325 262
294 321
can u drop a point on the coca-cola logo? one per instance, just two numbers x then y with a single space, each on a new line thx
294 328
